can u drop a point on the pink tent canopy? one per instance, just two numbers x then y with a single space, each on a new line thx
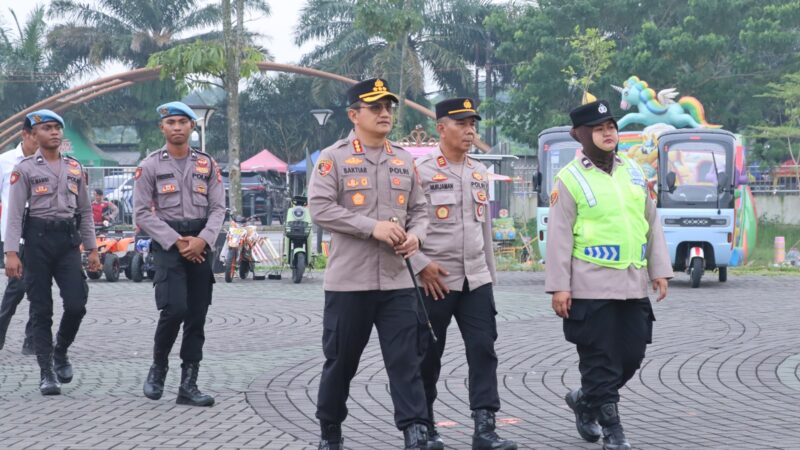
263 161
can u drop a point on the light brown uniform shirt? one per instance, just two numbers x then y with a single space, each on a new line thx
351 189
179 190
460 231
52 195
590 281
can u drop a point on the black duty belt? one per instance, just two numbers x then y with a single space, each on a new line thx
187 226
51 225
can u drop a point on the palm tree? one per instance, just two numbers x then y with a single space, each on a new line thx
398 40
27 73
127 30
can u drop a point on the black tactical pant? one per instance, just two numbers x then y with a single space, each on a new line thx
14 293
611 337
474 311
347 325
52 252
183 295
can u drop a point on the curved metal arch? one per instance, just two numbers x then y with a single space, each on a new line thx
11 127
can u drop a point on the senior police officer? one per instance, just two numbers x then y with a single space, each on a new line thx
360 184
179 201
57 222
456 267
15 288
605 243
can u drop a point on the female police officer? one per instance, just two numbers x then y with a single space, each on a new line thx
604 243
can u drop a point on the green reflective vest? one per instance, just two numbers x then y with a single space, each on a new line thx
610 228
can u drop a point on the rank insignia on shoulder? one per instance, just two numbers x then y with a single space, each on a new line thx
165 155
354 161
440 161
168 188
138 173
586 163
477 176
388 147
439 177
324 167
14 176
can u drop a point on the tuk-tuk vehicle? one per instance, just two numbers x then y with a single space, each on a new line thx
556 149
696 199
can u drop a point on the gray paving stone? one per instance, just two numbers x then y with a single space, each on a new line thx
723 372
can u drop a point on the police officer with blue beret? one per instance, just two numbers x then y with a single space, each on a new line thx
57 222
179 201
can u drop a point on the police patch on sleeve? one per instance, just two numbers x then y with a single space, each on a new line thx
14 176
324 167
138 173
553 197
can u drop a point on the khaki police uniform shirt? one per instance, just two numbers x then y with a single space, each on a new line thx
590 281
51 196
460 231
178 192
351 189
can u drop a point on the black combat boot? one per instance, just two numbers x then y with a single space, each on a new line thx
61 362
585 418
27 347
485 437
48 385
416 437
188 393
435 441
613 435
331 437
154 384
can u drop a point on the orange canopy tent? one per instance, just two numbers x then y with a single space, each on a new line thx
264 161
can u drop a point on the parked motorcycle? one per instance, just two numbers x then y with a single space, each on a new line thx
242 251
297 237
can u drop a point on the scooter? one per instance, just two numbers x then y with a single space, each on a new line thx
142 264
297 237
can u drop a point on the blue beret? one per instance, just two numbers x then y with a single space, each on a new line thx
176 109
44 116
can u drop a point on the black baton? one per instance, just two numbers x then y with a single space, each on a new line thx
416 289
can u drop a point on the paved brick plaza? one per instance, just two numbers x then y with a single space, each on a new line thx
723 372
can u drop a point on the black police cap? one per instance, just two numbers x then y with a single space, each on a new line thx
457 108
369 91
591 114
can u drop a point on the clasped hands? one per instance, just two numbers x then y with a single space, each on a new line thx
191 248
393 234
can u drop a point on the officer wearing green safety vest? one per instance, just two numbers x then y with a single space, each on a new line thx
605 245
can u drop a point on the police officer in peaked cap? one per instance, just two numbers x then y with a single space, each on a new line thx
605 246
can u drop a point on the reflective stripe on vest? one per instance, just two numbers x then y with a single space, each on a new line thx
610 225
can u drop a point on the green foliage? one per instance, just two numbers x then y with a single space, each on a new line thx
593 52
724 52
183 61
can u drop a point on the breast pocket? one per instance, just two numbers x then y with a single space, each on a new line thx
168 194
42 197
199 192
442 207
480 202
401 188
359 192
